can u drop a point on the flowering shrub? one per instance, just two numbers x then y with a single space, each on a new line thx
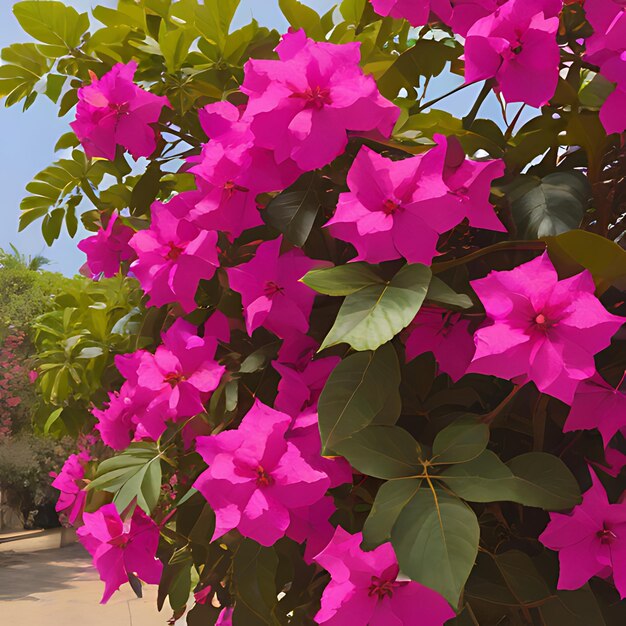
347 359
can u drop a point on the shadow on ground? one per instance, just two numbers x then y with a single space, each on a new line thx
21 575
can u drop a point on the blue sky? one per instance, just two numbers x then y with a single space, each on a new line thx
29 138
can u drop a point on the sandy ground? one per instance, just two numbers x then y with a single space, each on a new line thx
59 587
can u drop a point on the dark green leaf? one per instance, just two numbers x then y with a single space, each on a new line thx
545 481
549 206
255 575
374 315
293 211
436 541
391 498
427 58
440 293
382 451
461 441
549 485
356 392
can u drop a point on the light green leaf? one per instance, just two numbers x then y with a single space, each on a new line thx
301 16
23 66
374 315
134 473
343 279
52 23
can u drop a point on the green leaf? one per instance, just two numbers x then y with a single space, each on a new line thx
440 293
255 591
356 391
545 481
301 16
213 19
521 577
22 69
343 279
436 541
374 315
548 484
426 58
52 23
574 608
174 45
293 211
579 249
391 498
461 441
135 473
382 452
54 416
51 191
145 190
549 206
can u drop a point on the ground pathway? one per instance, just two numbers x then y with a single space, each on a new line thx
52 586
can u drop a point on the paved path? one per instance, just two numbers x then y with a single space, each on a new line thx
59 587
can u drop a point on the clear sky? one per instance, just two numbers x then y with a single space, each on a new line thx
28 138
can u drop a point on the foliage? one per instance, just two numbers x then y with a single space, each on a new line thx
459 475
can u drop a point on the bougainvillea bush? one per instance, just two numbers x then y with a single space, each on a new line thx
348 358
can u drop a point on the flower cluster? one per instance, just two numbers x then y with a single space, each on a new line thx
398 209
543 330
114 111
263 475
171 384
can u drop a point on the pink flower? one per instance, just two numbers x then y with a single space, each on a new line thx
364 588
225 617
469 185
612 111
172 384
598 405
310 525
614 462
300 387
117 420
233 170
114 111
395 209
516 41
270 290
33 375
256 476
303 106
591 540
608 19
182 371
121 547
173 255
543 329
69 482
465 13
108 248
416 12
446 335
